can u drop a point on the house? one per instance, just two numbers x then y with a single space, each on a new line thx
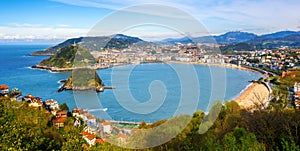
52 104
297 103
61 113
16 94
297 87
77 112
4 89
77 123
89 138
59 122
106 127
36 102
28 98
92 129
89 118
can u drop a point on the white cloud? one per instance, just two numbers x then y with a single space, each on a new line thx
219 16
40 32
63 25
25 25
269 15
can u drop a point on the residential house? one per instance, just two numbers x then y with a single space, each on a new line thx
297 103
89 118
106 127
77 112
59 122
52 104
89 138
92 129
4 89
77 123
297 87
36 102
297 99
28 98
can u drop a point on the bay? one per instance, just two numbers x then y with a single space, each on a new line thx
143 78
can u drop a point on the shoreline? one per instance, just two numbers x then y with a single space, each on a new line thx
54 69
241 92
255 96
245 98
225 65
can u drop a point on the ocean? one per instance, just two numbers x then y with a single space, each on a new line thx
148 92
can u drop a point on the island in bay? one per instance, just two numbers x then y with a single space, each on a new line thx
81 78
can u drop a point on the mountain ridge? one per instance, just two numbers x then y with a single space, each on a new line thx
92 43
230 39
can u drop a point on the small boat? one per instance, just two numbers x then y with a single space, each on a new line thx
93 110
105 109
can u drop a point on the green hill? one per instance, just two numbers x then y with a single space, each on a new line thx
83 79
67 56
118 41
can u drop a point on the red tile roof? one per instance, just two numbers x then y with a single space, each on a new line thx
77 110
59 120
88 135
106 123
51 101
37 101
29 96
3 87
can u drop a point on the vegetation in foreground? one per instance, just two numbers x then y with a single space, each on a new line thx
25 128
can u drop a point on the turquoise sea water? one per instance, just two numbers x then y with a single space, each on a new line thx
15 72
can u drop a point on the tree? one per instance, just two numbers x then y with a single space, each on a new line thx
64 107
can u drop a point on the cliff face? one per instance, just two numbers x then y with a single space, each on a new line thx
83 79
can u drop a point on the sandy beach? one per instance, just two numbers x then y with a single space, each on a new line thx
225 65
254 97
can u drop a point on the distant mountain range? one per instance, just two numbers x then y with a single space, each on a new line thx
230 37
233 41
245 41
269 41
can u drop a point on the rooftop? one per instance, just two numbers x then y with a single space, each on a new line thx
3 87
59 120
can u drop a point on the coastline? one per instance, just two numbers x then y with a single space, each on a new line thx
54 69
225 65
255 96
247 98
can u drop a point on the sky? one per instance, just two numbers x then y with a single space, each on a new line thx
63 19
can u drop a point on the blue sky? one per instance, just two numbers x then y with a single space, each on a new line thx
61 19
